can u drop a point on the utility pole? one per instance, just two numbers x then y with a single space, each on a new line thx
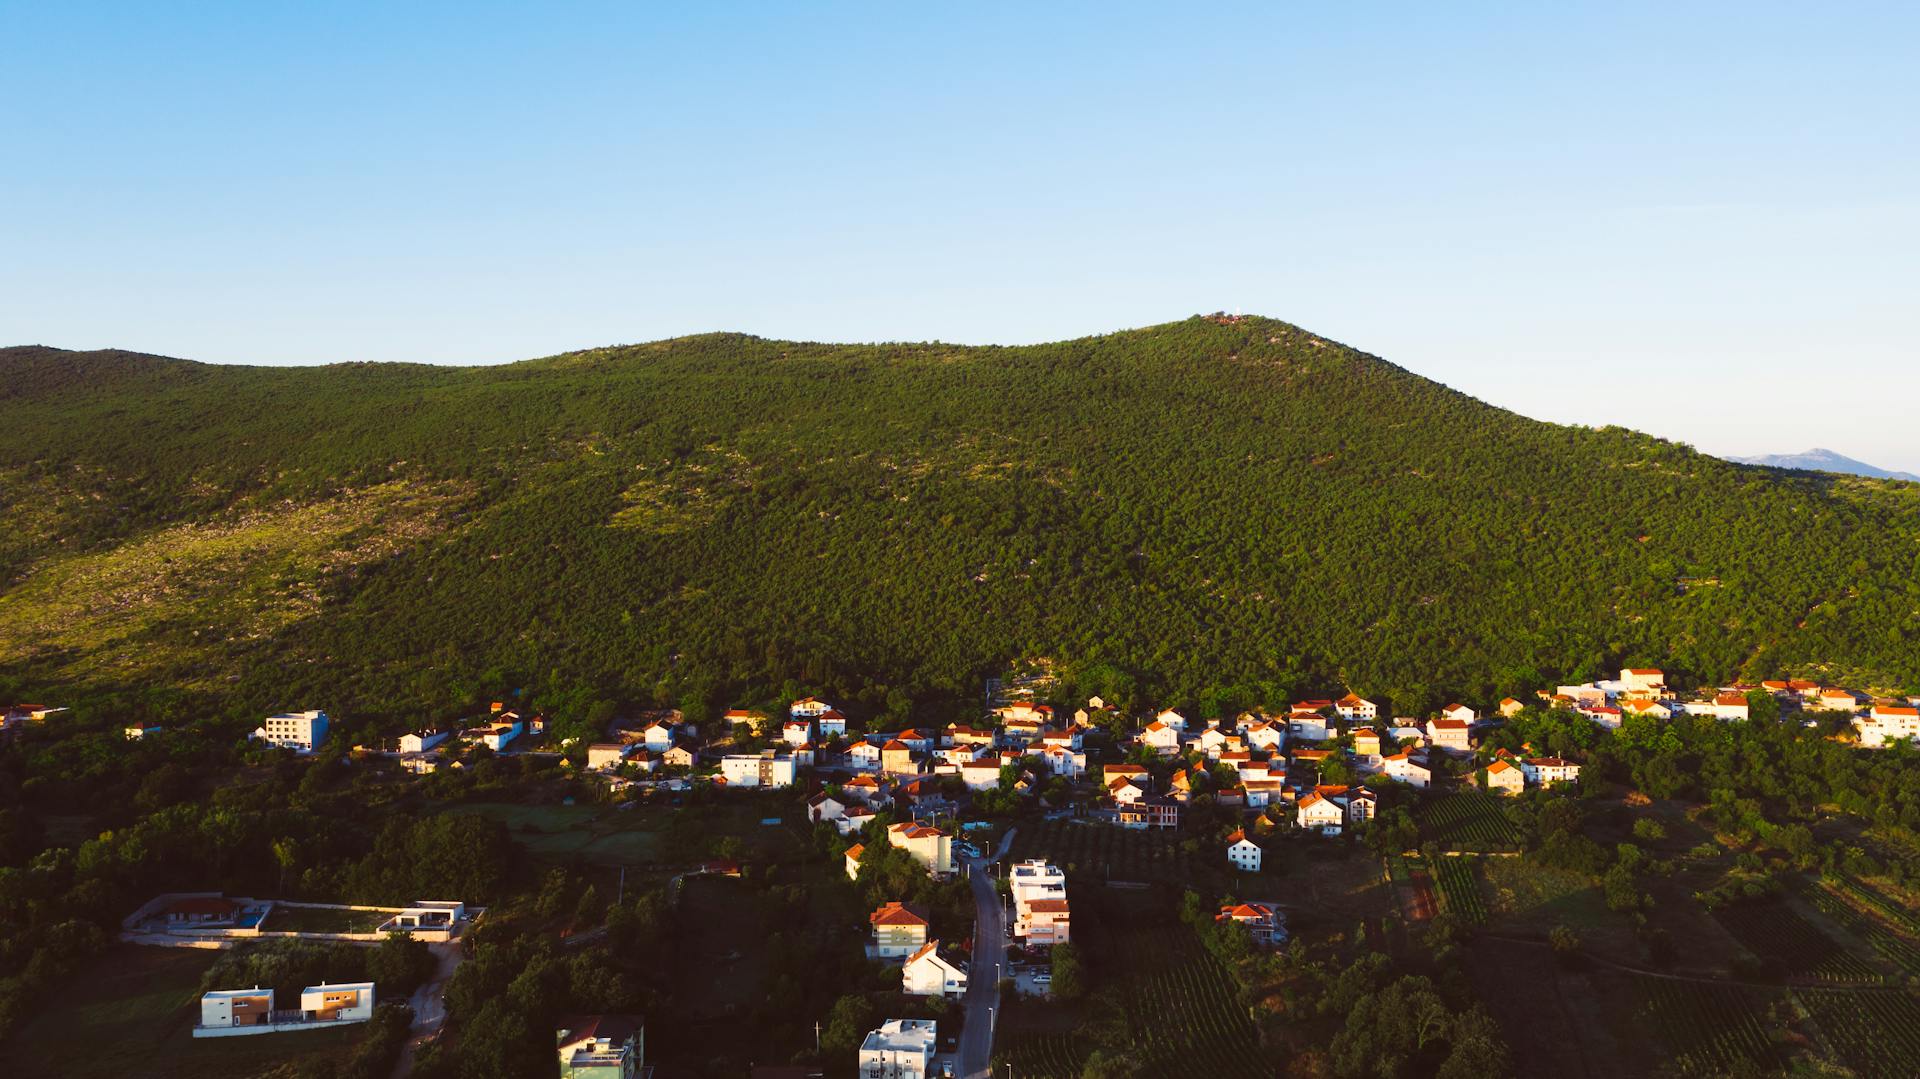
816 1035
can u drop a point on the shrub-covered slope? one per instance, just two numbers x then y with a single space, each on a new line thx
1169 511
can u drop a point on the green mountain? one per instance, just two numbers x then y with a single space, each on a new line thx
1203 510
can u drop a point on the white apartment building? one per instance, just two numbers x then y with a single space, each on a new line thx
1888 723
763 769
303 731
1041 912
900 1049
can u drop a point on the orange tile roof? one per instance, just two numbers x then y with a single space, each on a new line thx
897 914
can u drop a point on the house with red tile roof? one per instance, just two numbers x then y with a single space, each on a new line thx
898 930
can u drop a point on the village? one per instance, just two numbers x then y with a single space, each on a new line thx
1318 768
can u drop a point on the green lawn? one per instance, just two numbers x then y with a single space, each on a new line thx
129 1015
285 919
642 835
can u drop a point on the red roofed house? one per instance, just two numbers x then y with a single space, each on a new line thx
1161 737
1449 734
1504 778
897 759
1356 709
1650 679
898 931
1266 925
1546 771
1318 813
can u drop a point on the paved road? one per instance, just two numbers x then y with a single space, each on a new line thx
988 965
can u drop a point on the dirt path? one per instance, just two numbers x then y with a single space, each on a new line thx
429 1003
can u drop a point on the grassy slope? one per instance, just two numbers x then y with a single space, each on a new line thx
1191 502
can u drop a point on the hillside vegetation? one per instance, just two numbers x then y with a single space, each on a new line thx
1201 511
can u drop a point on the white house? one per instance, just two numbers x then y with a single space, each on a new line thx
1319 813
1171 718
927 973
1546 771
930 847
422 741
1161 737
900 1049
347 1002
796 732
1266 736
1459 713
1307 726
832 724
1407 767
1504 778
1356 709
606 756
1646 679
857 816
1726 704
825 807
224 1008
864 757
302 731
1838 700
809 707
1243 853
1449 734
658 734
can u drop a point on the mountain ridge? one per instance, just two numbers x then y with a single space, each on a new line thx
1825 460
1200 510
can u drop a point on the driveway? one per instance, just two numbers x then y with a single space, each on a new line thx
988 965
429 1003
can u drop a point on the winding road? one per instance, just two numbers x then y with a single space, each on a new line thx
988 966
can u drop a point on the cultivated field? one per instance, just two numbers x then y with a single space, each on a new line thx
1176 1004
1468 819
1460 889
1796 947
1107 852
1875 1031
1831 901
1709 1029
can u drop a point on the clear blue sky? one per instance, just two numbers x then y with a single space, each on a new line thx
1698 220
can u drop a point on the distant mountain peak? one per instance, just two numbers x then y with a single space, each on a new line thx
1824 460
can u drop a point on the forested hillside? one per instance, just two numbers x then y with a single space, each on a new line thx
1201 510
